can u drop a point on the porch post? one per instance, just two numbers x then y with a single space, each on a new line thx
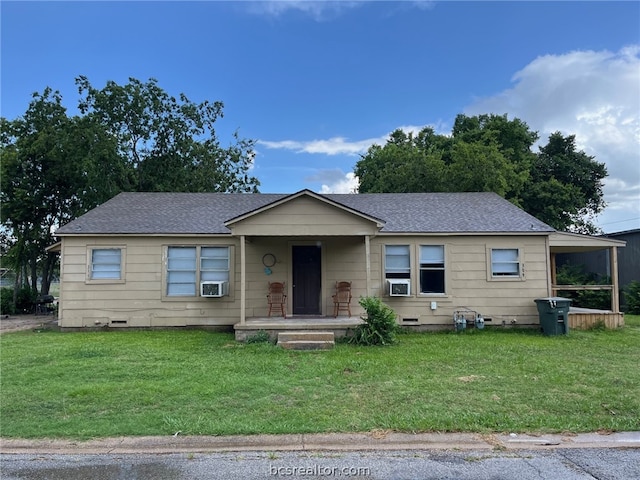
243 281
615 295
553 274
367 253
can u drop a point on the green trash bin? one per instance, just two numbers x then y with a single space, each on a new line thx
554 315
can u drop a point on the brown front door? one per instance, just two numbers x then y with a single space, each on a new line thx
306 279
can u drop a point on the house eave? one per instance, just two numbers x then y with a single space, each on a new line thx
565 242
465 233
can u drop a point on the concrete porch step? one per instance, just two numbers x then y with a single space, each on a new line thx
306 340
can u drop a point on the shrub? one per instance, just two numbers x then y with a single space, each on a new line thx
261 336
598 326
575 275
632 297
25 300
380 327
7 307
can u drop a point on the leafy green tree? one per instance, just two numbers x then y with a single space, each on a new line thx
512 138
476 167
559 185
566 186
128 138
169 144
41 188
52 170
405 164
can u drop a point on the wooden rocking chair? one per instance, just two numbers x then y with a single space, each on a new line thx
277 298
342 298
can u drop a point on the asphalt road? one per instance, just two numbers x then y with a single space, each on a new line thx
368 455
534 464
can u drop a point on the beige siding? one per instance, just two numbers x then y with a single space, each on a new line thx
468 285
343 259
138 300
304 216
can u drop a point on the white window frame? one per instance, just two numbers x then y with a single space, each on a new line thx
403 272
395 273
91 264
504 274
216 270
432 267
204 269
182 270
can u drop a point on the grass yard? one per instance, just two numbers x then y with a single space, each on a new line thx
98 384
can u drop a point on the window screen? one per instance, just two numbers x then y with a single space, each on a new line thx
397 261
106 264
181 271
505 262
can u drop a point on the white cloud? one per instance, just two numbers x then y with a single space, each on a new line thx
318 10
335 181
321 10
348 184
592 95
330 146
339 145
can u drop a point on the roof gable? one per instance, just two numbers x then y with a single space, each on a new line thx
304 213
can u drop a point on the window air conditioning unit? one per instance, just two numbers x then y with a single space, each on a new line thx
213 289
399 288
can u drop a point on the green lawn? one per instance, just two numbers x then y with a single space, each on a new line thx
83 385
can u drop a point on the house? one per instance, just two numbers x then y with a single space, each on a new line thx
154 259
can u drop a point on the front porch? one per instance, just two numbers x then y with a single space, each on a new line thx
585 318
294 323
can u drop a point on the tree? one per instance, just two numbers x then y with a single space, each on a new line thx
476 167
512 138
127 138
566 186
405 164
34 181
168 144
558 185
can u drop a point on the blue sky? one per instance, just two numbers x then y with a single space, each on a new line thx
316 83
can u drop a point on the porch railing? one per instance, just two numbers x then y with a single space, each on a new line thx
576 288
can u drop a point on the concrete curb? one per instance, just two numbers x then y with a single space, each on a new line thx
319 442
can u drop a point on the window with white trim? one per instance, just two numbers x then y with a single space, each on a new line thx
397 261
106 264
505 263
214 264
432 269
181 271
188 266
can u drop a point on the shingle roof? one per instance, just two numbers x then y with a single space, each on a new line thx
205 213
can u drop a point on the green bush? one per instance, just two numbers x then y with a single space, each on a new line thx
25 300
632 297
380 327
7 307
261 336
576 275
